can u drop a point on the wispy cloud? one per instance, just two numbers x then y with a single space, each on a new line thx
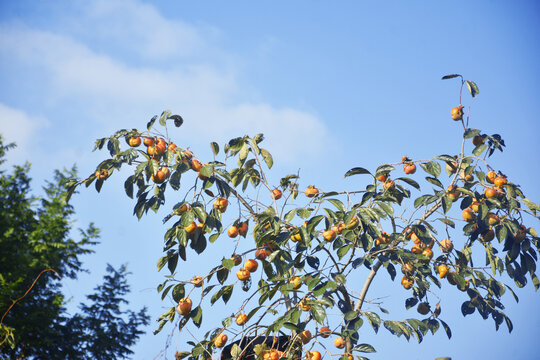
19 127
113 91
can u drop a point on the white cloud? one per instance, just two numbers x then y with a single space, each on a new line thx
113 92
142 29
18 127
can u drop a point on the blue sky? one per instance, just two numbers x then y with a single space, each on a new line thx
331 85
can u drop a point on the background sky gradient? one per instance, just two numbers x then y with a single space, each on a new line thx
331 85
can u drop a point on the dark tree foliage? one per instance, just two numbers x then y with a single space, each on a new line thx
35 235
103 330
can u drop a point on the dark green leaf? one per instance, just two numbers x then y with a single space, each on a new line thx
409 181
432 168
356 171
445 77
151 122
318 312
473 88
215 147
365 348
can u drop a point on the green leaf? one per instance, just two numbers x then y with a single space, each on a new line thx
479 149
409 181
178 121
162 261
340 278
128 186
446 204
473 88
373 319
434 181
207 170
318 312
227 263
365 348
267 158
446 77
469 133
215 147
196 316
151 122
337 203
448 222
178 292
446 329
432 168
164 116
446 158
421 200
356 171
351 315
383 169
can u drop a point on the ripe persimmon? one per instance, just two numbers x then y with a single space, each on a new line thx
446 246
241 319
329 235
491 176
172 147
305 336
428 253
196 165
389 184
243 274
409 169
457 113
491 192
453 193
313 355
468 215
407 282
339 342
233 231
243 228
237 259
311 191
261 254
251 265
276 194
184 306
134 141
493 219
478 140
220 340
296 282
190 229
325 332
148 141
443 270
102 174
221 204
500 181
197 281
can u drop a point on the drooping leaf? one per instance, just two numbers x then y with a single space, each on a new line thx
473 88
446 77
267 158
356 171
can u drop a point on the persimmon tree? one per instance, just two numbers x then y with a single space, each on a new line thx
457 222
